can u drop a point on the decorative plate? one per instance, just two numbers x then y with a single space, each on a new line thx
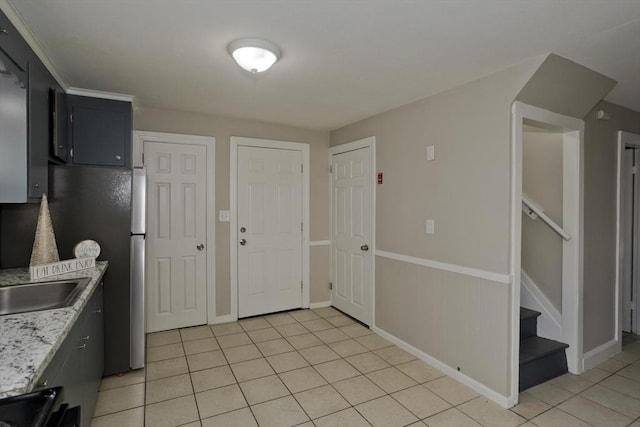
86 249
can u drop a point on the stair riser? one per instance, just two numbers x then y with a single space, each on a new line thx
528 328
543 369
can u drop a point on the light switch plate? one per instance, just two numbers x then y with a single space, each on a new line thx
430 226
223 216
431 152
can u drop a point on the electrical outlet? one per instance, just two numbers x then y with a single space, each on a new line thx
223 216
430 226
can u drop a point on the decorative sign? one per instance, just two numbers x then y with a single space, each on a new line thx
66 266
87 249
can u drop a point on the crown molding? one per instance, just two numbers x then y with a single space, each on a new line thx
32 41
99 94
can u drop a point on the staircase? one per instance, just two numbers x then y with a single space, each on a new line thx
541 359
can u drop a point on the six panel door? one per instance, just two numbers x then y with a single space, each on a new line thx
351 227
176 270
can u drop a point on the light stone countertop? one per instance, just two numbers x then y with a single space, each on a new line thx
28 341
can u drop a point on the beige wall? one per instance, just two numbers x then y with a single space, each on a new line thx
320 273
463 321
542 182
563 86
600 219
222 129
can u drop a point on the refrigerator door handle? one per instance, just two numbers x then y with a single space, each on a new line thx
138 325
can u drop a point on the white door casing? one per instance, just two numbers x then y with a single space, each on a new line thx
628 231
240 254
572 223
176 261
352 228
270 227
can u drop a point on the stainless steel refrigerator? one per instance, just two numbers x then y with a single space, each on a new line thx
138 224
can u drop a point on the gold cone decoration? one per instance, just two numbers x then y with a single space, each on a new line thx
45 250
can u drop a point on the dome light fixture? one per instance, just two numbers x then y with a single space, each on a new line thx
254 55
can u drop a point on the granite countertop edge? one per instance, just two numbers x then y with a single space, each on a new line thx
28 341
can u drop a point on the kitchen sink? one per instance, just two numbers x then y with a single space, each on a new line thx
24 297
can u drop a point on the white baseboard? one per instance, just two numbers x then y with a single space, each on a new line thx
320 304
593 358
487 392
223 319
550 321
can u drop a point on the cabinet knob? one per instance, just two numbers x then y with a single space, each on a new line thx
3 31
61 146
81 347
36 185
43 384
118 157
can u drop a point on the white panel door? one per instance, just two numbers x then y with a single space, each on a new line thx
351 233
176 269
269 222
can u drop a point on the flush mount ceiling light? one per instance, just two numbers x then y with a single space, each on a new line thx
254 55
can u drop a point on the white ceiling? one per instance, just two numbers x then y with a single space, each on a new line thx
343 60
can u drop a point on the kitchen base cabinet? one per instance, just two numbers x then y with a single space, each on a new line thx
79 363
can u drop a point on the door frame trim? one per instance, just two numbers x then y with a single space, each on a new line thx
573 222
623 139
238 141
209 142
368 142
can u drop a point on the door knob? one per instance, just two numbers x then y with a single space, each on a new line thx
364 248
200 246
243 242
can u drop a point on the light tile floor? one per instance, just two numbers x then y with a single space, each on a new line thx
319 368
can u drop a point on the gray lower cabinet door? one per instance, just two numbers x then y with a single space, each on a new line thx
93 356
79 363
72 378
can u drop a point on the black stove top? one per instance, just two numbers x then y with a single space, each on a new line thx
29 410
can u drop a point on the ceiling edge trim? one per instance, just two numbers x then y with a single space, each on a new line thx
32 41
99 94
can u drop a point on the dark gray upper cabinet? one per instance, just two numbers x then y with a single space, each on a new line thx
40 83
27 159
100 131
59 125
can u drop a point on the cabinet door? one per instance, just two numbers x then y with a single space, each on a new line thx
100 131
13 131
39 128
59 125
93 357
71 377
